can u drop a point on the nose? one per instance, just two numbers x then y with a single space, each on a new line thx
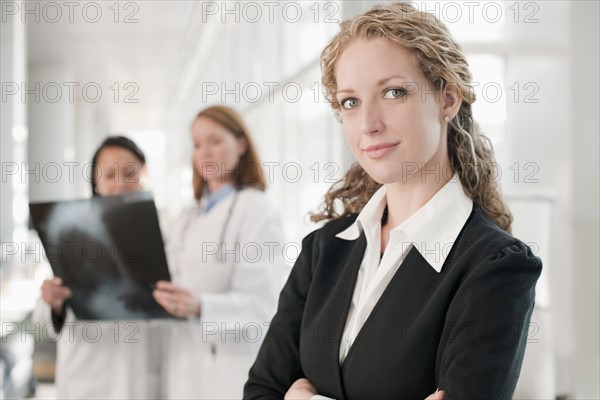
371 119
116 188
205 152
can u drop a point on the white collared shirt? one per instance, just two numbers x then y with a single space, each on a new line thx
432 230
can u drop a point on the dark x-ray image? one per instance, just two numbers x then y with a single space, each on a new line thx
108 251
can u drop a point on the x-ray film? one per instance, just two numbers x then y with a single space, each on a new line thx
109 251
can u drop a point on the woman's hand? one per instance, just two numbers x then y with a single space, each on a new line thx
55 294
177 301
437 395
302 389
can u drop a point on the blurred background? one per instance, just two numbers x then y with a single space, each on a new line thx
75 72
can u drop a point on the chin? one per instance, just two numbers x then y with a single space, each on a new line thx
383 177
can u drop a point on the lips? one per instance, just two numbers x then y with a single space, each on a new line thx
379 150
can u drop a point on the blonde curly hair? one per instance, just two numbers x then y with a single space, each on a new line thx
440 59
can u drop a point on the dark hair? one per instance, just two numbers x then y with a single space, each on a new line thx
115 141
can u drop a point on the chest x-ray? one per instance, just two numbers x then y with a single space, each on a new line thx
108 251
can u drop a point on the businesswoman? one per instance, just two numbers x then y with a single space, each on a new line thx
415 283
224 254
99 359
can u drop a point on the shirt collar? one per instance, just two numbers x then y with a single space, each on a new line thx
369 217
212 198
432 229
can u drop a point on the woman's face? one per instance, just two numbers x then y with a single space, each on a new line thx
392 117
117 171
216 151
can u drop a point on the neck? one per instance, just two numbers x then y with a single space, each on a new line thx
404 198
213 186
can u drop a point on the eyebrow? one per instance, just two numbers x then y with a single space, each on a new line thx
379 83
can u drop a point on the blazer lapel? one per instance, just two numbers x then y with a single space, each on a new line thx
326 313
349 282
413 276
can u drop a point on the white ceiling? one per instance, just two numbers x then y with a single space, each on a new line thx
145 52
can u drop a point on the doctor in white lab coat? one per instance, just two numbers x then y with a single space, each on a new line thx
225 256
100 359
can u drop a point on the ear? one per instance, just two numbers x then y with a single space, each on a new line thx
242 144
143 177
452 97
144 171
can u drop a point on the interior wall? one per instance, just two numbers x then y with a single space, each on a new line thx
583 136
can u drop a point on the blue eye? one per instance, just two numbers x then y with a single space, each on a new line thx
394 93
349 103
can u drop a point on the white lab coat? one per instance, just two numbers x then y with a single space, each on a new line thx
100 359
209 357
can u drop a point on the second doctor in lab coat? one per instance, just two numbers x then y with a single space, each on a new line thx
225 256
100 359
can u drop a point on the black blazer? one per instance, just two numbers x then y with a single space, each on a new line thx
463 330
